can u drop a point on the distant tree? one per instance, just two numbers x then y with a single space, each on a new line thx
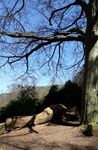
52 96
53 89
27 92
71 94
24 104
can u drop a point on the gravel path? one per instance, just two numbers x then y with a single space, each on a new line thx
48 137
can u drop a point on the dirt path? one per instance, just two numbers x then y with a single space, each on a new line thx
49 137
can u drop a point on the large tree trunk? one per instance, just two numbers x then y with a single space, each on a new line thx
91 94
91 69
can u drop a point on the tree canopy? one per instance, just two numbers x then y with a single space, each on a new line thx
37 33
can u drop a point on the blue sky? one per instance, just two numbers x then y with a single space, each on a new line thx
4 83
8 79
8 76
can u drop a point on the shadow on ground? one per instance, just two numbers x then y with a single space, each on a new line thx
35 145
52 137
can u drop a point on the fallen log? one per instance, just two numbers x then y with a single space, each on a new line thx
43 117
16 122
54 112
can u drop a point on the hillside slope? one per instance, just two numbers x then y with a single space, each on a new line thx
7 97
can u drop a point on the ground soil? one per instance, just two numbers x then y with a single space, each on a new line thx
48 137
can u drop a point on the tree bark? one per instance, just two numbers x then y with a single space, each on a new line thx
91 93
91 71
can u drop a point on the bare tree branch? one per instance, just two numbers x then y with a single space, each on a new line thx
23 3
48 39
57 10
